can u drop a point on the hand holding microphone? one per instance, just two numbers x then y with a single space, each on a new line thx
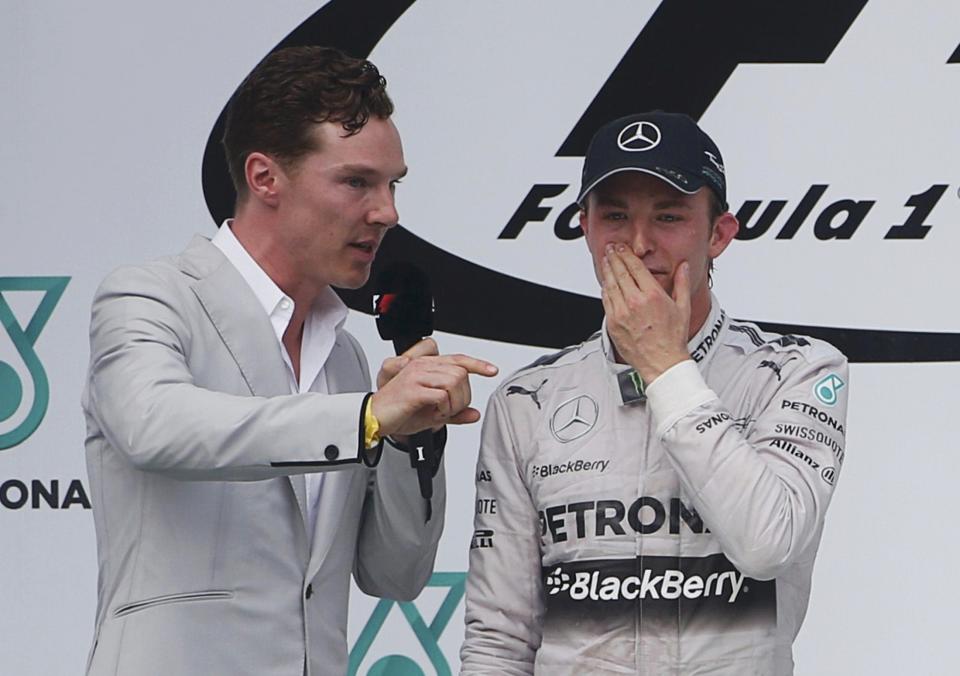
419 390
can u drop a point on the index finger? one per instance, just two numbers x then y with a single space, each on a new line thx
472 364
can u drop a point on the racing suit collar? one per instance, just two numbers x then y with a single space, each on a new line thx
701 348
702 345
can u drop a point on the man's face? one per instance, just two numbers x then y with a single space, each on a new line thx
337 203
660 224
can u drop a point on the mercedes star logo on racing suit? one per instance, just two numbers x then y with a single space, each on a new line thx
639 136
574 418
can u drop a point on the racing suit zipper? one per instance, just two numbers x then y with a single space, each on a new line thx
638 538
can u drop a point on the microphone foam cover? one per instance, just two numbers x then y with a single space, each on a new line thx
403 302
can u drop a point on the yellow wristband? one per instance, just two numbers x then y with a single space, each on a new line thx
371 427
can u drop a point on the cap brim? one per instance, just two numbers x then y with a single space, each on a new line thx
696 181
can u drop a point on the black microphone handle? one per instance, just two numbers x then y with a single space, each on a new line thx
421 457
424 438
403 343
421 443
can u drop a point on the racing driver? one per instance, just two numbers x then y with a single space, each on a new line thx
651 501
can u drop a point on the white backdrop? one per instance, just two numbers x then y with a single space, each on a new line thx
107 108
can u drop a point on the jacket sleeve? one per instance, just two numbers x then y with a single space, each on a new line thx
504 604
764 493
143 398
396 547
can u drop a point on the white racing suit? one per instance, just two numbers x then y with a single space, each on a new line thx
668 534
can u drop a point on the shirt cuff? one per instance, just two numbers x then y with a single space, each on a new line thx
676 392
371 426
369 455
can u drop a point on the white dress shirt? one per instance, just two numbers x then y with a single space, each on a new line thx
319 333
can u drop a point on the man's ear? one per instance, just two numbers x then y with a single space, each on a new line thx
725 228
264 178
583 220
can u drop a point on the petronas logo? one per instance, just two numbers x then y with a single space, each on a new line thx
428 634
827 388
24 389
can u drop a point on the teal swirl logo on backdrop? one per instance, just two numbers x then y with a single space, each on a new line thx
23 339
427 635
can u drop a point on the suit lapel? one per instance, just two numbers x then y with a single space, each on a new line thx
243 326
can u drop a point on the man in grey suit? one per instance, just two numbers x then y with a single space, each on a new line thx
223 393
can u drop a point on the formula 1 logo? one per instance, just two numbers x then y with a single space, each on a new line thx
468 294
24 389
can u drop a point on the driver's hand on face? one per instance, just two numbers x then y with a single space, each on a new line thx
648 327
422 389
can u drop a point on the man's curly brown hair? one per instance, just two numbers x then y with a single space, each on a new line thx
278 103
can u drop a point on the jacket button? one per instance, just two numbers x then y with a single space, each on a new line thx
331 452
309 591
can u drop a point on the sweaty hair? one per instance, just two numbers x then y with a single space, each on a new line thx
277 105
717 207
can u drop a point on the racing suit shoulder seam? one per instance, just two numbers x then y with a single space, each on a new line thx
564 358
750 338
508 424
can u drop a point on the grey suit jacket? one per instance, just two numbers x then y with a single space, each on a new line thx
195 454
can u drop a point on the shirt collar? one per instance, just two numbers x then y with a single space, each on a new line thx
327 309
702 345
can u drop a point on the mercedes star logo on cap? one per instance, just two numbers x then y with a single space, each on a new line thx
639 136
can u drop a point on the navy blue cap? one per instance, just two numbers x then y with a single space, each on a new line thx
669 146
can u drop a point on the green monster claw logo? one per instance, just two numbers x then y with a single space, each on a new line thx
11 387
401 665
